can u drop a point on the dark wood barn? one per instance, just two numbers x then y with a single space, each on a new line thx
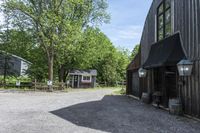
133 84
83 78
171 33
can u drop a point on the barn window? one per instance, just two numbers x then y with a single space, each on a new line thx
86 78
163 20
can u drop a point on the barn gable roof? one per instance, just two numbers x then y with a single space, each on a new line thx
135 63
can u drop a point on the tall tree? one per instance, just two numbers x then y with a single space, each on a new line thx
53 20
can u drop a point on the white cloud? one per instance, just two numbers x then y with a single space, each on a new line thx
123 36
130 32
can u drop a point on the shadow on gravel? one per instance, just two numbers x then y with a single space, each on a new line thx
120 114
108 115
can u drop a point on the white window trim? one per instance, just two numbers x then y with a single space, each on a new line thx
86 81
156 27
172 21
172 16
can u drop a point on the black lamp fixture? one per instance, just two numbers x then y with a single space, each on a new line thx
142 72
185 67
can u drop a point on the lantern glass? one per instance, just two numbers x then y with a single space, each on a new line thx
142 72
185 67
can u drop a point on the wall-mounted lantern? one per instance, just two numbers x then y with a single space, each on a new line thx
142 72
185 67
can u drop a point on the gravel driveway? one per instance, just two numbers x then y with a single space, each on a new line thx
85 112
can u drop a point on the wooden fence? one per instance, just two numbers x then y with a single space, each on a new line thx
34 85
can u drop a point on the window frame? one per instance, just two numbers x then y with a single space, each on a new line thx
86 80
163 15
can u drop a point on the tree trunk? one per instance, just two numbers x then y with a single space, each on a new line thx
61 73
65 76
5 70
50 72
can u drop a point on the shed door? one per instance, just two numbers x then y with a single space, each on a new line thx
135 84
76 81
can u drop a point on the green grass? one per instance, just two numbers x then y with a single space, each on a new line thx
121 91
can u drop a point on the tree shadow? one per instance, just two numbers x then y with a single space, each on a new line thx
109 114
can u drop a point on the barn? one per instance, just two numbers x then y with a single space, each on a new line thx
170 38
133 84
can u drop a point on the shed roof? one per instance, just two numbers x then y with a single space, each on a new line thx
83 72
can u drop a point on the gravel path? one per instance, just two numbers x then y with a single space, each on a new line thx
85 112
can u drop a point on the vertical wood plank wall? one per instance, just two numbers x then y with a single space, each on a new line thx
186 21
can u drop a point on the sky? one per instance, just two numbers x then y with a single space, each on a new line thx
127 21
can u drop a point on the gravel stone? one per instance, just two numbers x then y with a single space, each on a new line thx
91 111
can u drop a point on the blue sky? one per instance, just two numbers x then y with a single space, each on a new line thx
127 21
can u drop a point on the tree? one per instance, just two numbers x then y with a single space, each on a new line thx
100 54
23 44
19 42
135 51
54 20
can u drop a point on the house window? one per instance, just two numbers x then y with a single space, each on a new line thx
164 20
87 79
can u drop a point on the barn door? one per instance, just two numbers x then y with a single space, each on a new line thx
165 81
158 79
171 82
135 84
159 85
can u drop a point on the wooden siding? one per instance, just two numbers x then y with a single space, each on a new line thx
81 84
186 21
133 81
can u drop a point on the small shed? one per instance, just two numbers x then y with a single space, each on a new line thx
83 78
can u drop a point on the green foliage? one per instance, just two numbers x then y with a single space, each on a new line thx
64 31
18 42
13 79
55 23
135 51
100 54
23 44
38 70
